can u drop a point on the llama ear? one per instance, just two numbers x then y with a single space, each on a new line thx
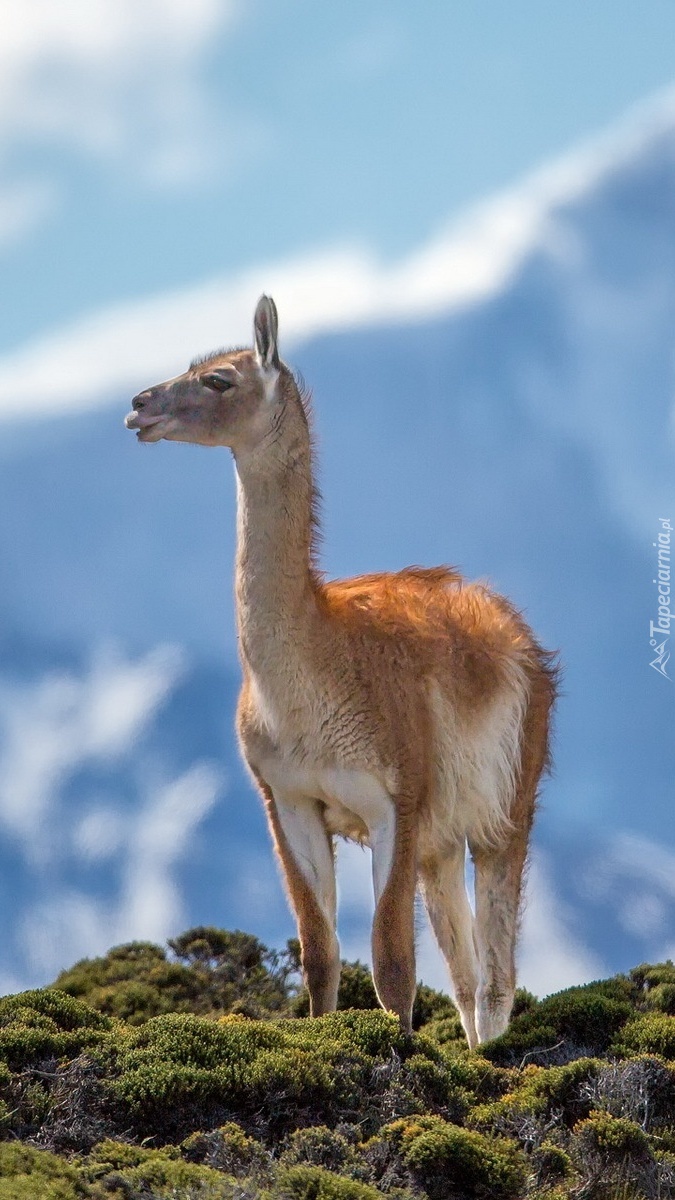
265 328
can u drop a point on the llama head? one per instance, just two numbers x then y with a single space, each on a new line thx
230 398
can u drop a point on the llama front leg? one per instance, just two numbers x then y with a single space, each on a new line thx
305 852
499 875
393 843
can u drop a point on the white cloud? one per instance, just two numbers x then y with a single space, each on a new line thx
637 877
645 860
128 346
100 834
151 906
550 957
49 730
51 727
114 79
147 904
131 345
91 72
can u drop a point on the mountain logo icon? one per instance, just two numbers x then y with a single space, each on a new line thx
662 656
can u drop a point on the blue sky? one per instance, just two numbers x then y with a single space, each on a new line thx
145 145
164 161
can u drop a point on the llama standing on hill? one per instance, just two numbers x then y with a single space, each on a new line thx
409 711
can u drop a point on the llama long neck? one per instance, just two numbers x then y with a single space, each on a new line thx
275 585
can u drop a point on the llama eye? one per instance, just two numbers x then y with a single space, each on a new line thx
217 383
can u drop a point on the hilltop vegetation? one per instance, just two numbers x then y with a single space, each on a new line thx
192 1074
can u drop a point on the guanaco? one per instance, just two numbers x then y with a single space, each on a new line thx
408 711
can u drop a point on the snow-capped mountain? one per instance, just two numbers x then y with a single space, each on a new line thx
521 429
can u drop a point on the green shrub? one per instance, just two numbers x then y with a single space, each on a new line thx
431 1005
653 1033
655 985
162 1176
662 998
210 971
315 1183
523 1002
339 1107
231 968
444 1158
617 987
178 1073
550 1164
615 1154
373 1033
648 976
132 982
64 1011
444 1030
43 1024
437 1085
641 1088
120 1168
320 1146
585 1017
615 1137
29 1174
357 990
540 1095
477 1075
228 1149
111 1154
578 1019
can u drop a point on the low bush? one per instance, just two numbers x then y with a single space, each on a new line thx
315 1183
46 1024
447 1160
228 1149
550 1165
655 984
30 1174
613 1153
161 1176
653 1033
642 1089
542 1098
320 1146
176 1073
581 1020
205 970
203 1104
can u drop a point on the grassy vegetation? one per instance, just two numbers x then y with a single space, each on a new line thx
191 1074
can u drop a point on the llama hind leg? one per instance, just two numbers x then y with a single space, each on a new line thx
447 905
499 872
305 851
499 875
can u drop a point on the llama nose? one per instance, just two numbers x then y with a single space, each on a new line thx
139 401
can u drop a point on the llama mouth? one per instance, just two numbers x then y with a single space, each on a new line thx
152 433
148 429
